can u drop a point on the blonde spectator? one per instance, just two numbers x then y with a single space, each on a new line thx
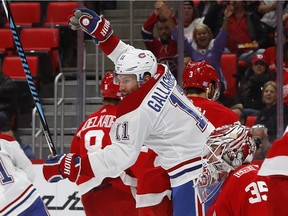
204 47
268 115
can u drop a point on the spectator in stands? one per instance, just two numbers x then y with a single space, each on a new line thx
246 35
271 55
271 52
9 99
204 47
240 112
163 47
204 6
268 114
285 73
214 16
260 136
190 17
268 11
250 91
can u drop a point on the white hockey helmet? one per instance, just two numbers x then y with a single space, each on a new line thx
138 62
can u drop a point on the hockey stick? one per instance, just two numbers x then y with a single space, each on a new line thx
29 79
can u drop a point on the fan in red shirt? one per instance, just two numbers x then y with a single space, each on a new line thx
163 47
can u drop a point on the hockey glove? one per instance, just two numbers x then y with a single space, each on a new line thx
91 23
62 166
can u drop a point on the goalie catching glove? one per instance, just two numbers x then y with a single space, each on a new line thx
91 23
62 166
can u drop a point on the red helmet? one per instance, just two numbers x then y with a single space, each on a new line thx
199 75
108 88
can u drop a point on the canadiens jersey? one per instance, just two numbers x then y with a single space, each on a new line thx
242 194
216 113
158 115
16 177
91 136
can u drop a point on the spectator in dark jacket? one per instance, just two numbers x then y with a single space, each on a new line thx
250 91
8 99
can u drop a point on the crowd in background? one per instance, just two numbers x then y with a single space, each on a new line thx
216 28
212 29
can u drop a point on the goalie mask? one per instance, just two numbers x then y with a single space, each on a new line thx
200 75
108 88
227 148
138 62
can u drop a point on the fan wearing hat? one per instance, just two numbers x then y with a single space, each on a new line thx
250 90
259 63
190 18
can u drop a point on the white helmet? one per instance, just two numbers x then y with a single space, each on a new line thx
138 62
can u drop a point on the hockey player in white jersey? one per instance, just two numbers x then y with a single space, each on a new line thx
154 111
18 196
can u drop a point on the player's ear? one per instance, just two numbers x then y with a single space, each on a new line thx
210 91
146 78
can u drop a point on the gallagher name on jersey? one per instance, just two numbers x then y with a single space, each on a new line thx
161 92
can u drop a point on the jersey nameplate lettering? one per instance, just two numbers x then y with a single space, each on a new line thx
244 170
162 92
100 121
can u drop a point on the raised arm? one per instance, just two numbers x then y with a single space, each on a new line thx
100 30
